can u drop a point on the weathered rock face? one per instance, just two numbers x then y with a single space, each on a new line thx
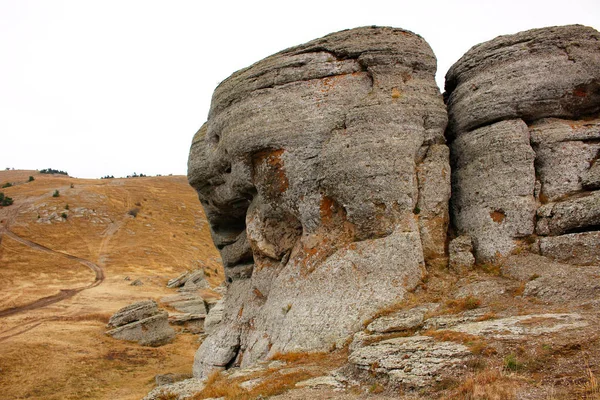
142 322
523 121
324 175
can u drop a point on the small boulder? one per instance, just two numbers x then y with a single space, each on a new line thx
461 254
179 281
196 280
137 282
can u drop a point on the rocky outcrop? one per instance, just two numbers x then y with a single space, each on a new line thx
324 173
525 138
141 322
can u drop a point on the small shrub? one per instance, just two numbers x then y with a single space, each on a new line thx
6 185
64 215
72 186
31 179
133 212
416 210
5 200
511 363
462 304
66 207
56 193
376 388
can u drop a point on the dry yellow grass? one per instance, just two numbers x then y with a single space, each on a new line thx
60 351
490 384
273 381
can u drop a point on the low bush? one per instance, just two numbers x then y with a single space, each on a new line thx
5 200
56 193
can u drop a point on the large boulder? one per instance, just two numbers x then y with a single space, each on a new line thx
325 177
142 322
523 122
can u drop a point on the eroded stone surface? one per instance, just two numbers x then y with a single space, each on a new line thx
321 169
539 73
413 362
531 95
575 248
493 180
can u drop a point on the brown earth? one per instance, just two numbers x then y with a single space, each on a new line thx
61 279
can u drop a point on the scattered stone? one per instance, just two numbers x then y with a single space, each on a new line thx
137 282
196 280
127 278
141 322
413 362
179 281
460 252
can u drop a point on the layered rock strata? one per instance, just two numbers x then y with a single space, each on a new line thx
523 121
325 177
142 322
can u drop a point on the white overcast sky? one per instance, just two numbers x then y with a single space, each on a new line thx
115 87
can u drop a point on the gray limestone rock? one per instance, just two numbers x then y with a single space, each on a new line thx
321 169
522 326
413 362
401 320
575 248
574 214
151 331
196 280
591 178
552 281
214 317
531 95
564 152
179 281
186 303
133 312
547 72
493 180
460 254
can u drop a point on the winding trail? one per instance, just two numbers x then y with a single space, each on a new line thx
64 293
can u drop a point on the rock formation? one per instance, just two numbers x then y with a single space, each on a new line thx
324 173
325 176
141 322
523 120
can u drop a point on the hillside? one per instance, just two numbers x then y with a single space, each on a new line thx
62 278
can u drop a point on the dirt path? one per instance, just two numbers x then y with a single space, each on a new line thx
64 293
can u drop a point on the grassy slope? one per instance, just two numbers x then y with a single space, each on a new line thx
60 351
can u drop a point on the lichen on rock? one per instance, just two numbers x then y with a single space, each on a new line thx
324 174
